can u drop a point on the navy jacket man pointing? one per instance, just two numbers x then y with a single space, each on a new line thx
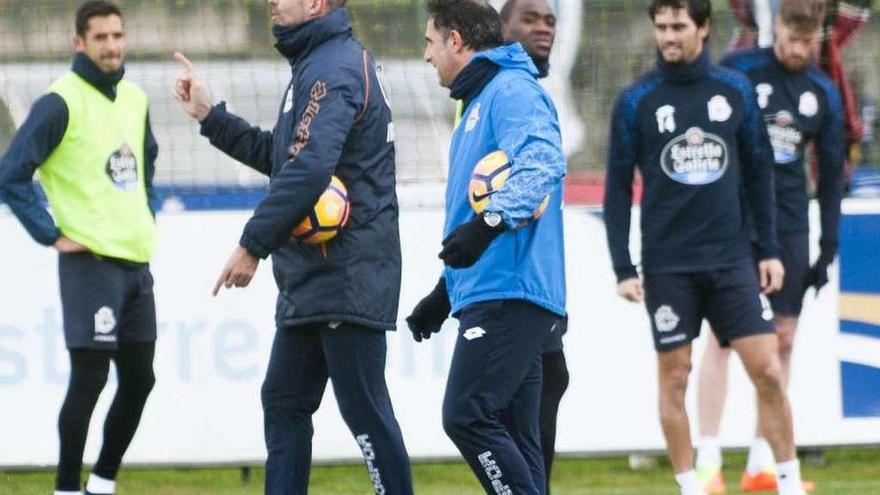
332 311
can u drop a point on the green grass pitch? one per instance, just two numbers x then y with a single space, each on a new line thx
844 472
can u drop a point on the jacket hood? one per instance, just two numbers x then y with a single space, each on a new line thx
510 56
295 42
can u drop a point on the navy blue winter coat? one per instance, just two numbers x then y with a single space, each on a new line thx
333 120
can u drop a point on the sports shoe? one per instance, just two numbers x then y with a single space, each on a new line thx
711 480
765 481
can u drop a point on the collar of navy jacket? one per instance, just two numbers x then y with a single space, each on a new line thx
295 42
102 81
685 72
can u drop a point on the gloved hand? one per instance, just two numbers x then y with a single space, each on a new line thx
464 246
818 275
430 313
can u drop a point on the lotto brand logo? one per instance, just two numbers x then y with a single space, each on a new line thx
473 333
493 472
369 454
694 158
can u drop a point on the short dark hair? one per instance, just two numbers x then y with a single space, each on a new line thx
93 8
477 22
700 11
507 10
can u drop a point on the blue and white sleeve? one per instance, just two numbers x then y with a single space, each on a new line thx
529 135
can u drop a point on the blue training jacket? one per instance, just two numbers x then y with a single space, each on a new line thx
515 114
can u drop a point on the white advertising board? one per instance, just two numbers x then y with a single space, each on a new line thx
212 353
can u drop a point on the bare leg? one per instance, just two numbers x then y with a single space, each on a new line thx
786 327
760 356
785 330
712 386
674 366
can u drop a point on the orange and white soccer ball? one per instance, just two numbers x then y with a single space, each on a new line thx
329 215
488 177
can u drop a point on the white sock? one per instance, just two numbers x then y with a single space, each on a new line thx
709 452
760 456
788 477
101 485
689 483
65 492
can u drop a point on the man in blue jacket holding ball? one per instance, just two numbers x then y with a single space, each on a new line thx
505 274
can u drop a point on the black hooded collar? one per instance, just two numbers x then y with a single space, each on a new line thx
472 79
295 42
543 68
685 72
102 81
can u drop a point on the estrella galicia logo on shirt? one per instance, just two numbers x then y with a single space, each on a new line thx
695 157
785 136
122 168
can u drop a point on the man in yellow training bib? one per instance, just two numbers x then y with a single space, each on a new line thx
89 139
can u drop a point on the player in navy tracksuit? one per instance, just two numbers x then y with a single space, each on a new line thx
334 306
533 24
799 105
695 132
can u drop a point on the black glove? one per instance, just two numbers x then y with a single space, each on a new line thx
430 313
818 275
464 246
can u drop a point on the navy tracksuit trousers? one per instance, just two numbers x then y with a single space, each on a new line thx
492 405
353 358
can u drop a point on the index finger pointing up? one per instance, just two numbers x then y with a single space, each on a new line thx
183 61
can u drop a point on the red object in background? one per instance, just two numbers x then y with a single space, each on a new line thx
588 188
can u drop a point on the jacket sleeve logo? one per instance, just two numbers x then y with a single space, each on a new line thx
301 139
